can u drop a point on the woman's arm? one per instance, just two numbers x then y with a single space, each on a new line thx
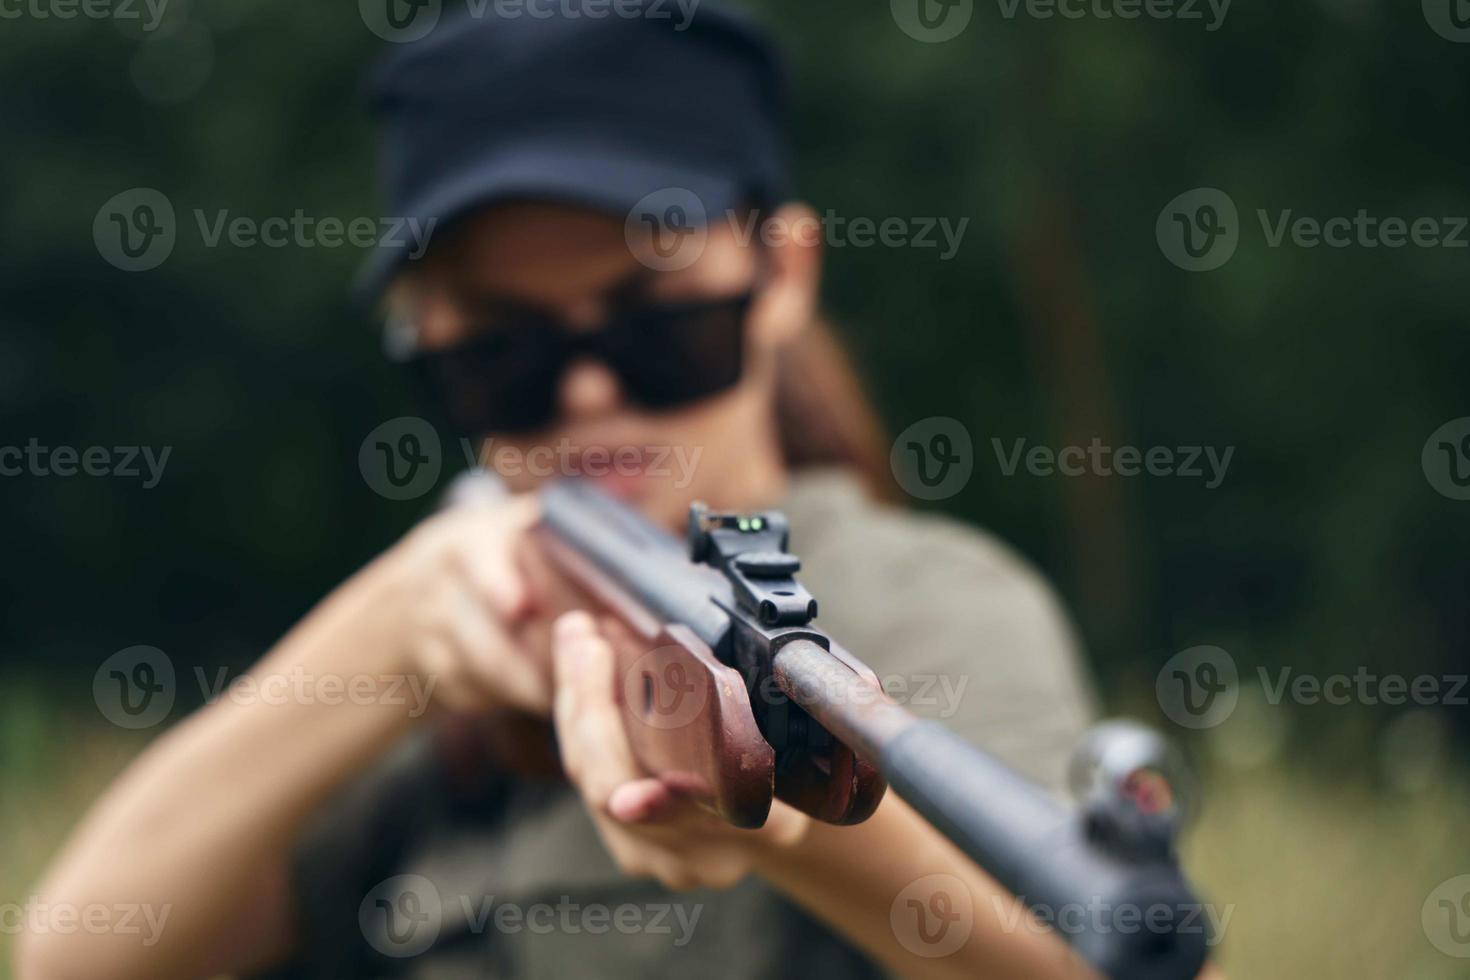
198 831
894 886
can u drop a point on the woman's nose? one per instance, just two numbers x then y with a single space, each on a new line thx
589 389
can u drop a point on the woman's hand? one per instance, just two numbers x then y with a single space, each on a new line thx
649 830
463 605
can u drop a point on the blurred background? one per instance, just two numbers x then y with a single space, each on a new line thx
1331 546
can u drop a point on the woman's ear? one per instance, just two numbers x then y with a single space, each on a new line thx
792 239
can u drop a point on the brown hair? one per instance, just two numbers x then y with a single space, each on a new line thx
823 414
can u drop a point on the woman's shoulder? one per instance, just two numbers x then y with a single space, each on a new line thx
841 532
956 622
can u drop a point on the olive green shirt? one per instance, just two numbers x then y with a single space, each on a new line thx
398 880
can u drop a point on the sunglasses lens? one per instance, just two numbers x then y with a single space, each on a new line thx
500 383
506 381
672 356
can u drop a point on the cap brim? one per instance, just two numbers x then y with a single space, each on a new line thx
601 179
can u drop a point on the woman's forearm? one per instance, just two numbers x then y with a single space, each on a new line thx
895 887
198 831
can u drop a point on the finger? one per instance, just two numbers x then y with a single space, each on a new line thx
643 801
494 657
493 574
490 561
589 724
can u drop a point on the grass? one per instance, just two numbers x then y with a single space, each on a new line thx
1322 876
1327 879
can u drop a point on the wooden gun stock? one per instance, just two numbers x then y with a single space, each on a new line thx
690 720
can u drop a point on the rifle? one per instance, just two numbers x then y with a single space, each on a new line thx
730 695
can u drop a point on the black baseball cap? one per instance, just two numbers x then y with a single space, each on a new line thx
650 98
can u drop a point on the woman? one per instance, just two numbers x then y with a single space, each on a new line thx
310 839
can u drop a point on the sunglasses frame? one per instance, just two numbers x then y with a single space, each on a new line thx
401 334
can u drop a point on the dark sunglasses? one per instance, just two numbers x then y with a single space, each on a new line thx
505 378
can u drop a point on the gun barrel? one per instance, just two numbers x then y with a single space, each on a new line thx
1128 919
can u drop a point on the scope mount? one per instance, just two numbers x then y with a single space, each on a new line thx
750 551
771 608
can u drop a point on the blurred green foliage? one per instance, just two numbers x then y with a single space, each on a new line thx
1059 321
